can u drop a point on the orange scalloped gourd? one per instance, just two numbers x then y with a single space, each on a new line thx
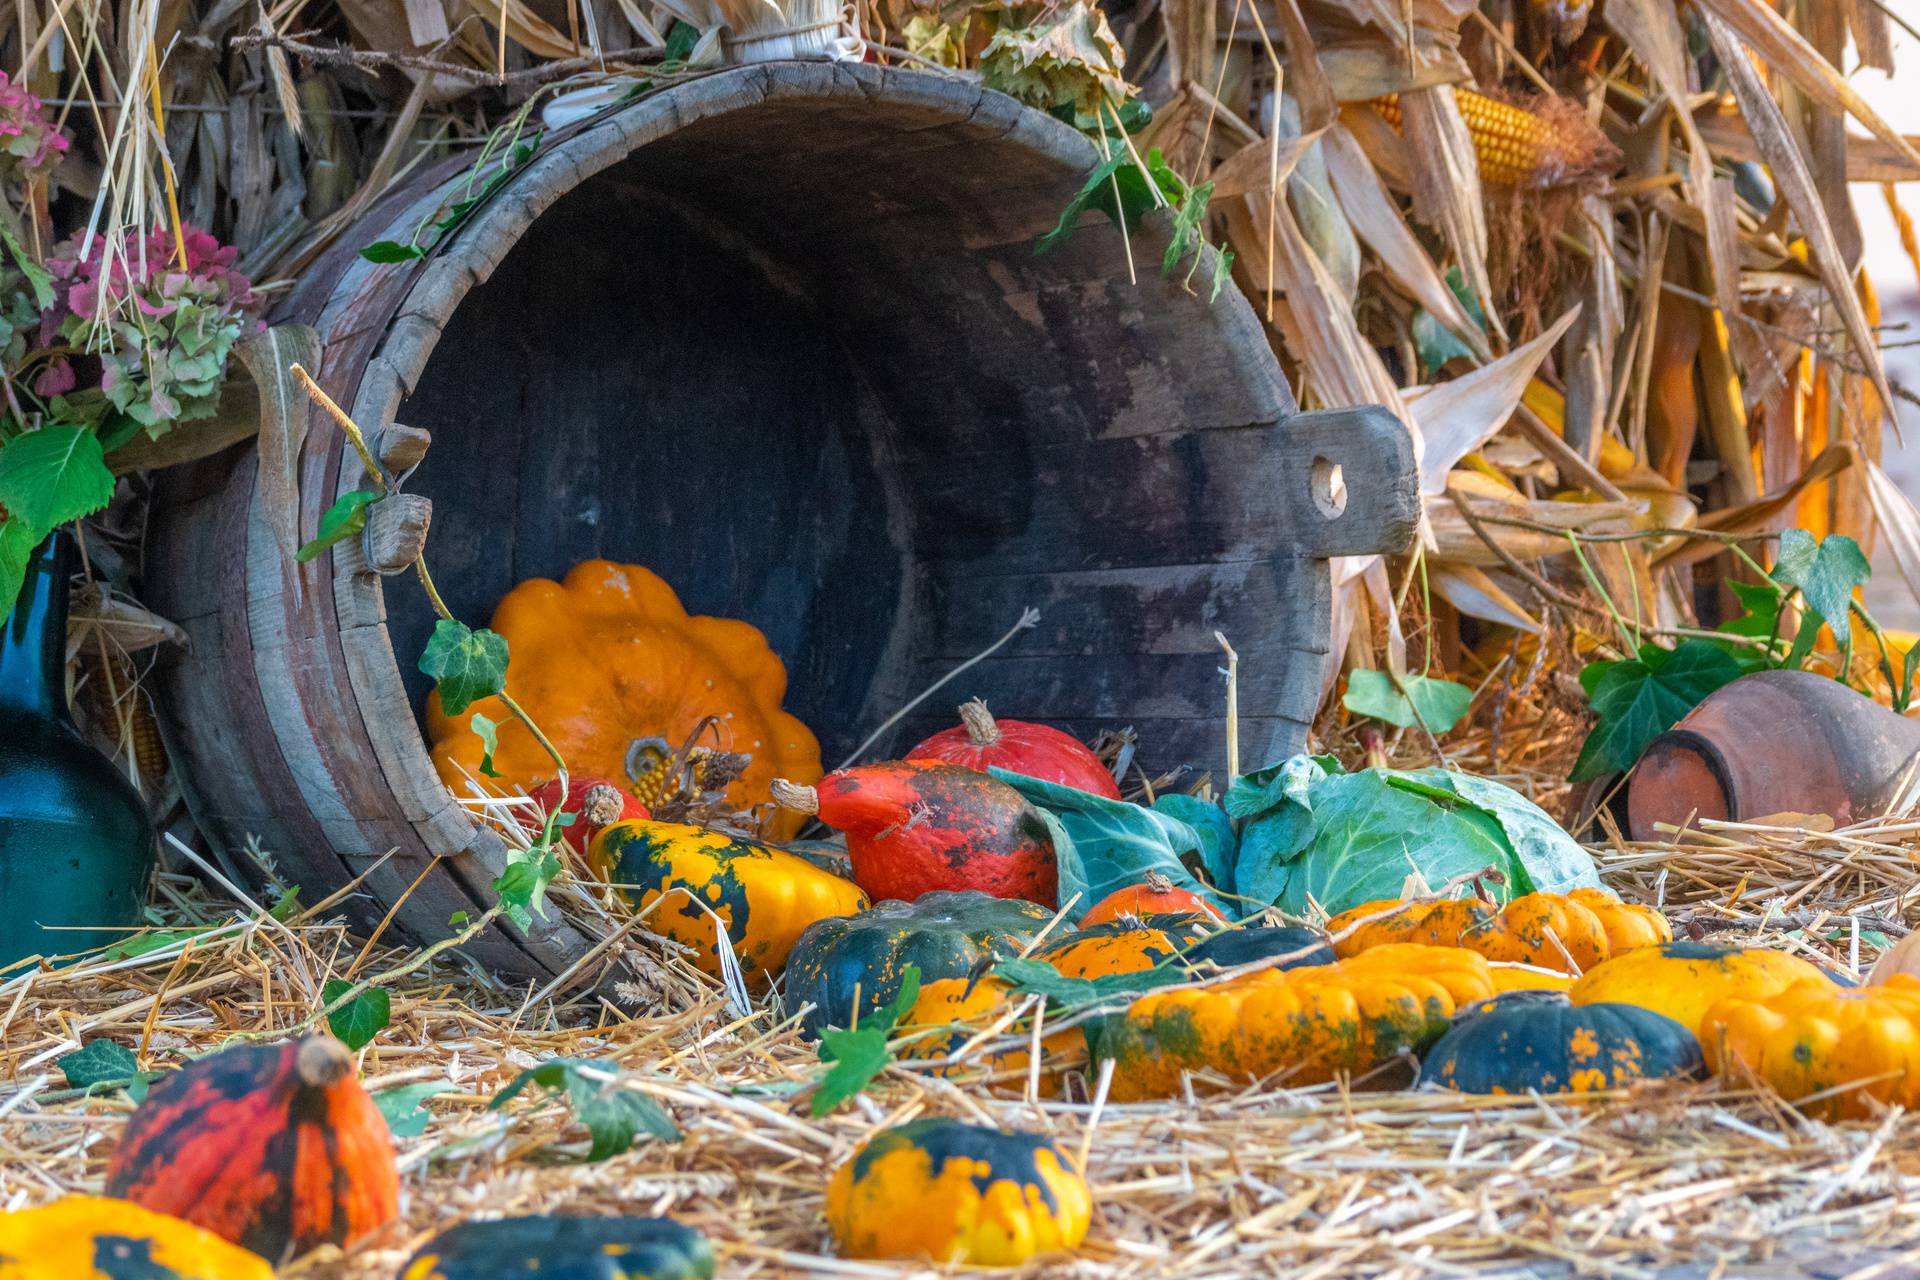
1587 926
1839 1052
1307 1024
609 656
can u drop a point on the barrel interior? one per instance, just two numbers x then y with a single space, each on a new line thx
803 361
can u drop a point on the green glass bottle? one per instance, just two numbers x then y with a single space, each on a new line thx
76 846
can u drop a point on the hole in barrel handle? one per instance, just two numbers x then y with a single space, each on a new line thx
1329 487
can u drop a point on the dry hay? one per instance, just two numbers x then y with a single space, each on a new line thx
1323 1181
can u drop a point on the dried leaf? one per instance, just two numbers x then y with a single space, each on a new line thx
1070 55
1797 184
1898 522
1469 589
1377 220
1788 54
1454 417
1446 184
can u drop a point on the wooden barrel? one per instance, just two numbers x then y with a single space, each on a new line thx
779 333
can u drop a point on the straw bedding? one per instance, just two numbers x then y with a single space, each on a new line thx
1698 1179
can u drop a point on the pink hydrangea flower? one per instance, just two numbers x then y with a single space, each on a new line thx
29 143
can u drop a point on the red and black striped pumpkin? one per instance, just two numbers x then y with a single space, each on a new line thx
275 1147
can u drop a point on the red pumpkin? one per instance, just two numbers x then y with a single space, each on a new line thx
274 1147
1154 896
594 802
1019 746
913 826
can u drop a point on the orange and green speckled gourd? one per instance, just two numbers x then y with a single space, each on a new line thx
1685 979
951 1012
767 897
958 1193
1838 1052
609 656
1303 1025
94 1238
1586 926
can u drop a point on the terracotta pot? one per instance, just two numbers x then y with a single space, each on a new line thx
1776 742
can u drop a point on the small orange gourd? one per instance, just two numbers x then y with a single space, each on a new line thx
609 657
1572 931
1836 1051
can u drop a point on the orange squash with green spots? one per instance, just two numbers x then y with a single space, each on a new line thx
1123 946
767 897
92 1238
1685 979
1540 1041
951 1012
949 1192
1303 1026
1586 927
1838 1052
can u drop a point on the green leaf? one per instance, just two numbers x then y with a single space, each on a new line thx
345 518
98 1062
392 251
17 543
1635 700
1039 977
614 1117
522 887
360 1019
1219 843
681 38
1434 343
400 1106
140 944
458 920
859 1055
1760 610
466 665
489 731
287 905
1439 704
1120 189
53 475
1826 571
1188 234
1101 845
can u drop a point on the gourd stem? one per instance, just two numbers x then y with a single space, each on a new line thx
347 425
321 1061
602 805
981 729
791 795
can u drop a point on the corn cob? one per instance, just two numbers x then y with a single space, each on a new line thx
1548 142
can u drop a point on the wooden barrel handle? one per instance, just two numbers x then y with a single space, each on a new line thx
1355 472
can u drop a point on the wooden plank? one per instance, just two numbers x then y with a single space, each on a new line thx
1158 610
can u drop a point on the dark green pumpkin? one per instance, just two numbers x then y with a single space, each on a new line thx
943 935
1231 948
556 1248
1540 1041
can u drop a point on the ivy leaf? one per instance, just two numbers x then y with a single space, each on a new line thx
140 944
1436 344
400 1106
360 1019
861 1054
53 475
1037 976
17 543
522 887
489 731
682 36
1438 704
392 251
1222 272
99 1062
345 518
1826 571
466 665
614 1117
287 905
1188 234
1638 699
